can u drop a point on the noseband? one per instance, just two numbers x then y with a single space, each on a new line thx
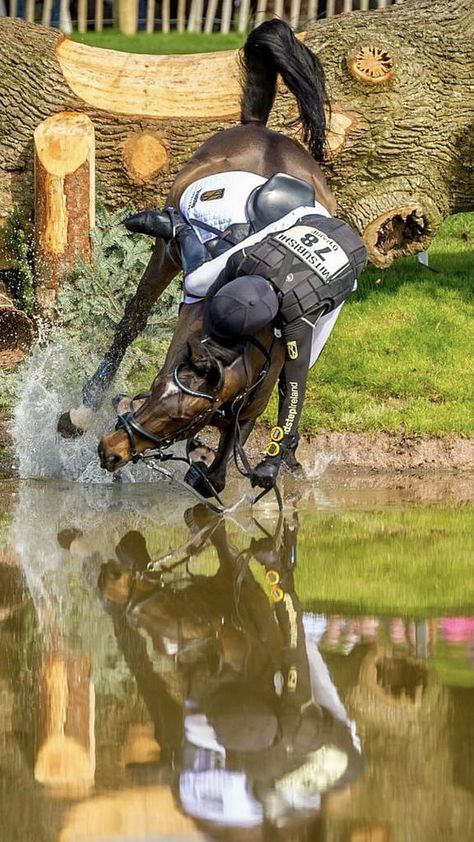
131 426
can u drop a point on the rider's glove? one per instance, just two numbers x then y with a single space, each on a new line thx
266 472
278 449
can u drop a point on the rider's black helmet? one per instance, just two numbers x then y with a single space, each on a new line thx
240 308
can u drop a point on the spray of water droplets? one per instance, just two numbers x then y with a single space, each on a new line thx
40 451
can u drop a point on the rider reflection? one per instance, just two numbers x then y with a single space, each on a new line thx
259 737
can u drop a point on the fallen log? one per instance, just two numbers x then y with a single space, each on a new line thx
401 138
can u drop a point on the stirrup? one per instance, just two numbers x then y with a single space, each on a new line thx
153 223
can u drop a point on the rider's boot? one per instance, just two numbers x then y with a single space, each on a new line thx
154 223
168 225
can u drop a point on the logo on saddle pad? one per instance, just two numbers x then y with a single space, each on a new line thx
212 195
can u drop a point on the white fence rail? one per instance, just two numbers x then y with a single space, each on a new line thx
131 16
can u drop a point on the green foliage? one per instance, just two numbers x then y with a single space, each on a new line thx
162 43
18 242
92 300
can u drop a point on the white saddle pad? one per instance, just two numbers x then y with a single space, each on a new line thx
218 200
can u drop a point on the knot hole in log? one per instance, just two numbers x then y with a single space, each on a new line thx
397 233
371 64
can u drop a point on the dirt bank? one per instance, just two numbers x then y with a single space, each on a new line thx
347 452
381 451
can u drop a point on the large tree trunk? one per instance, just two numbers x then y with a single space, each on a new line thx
401 140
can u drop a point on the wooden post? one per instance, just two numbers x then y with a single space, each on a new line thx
47 12
150 16
30 11
295 13
192 15
65 22
13 8
128 16
65 745
244 14
165 15
347 6
181 15
312 10
364 5
211 15
82 15
278 8
99 15
261 11
64 199
226 16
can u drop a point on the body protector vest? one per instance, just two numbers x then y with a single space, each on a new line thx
313 265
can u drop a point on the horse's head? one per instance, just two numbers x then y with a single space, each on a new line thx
181 403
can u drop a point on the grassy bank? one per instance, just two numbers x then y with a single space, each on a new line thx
161 43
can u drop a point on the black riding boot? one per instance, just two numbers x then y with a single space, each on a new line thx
168 225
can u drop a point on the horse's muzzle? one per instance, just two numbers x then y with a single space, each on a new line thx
109 460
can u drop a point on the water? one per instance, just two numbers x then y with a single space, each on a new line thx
312 680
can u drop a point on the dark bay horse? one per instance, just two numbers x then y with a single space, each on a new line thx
271 49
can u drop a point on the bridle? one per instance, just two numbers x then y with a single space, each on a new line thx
132 427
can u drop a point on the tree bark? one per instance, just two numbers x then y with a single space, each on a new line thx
401 150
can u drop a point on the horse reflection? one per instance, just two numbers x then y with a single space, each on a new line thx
257 737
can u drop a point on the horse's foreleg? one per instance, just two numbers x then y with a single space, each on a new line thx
216 472
160 271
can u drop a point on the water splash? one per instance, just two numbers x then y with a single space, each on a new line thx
320 465
47 388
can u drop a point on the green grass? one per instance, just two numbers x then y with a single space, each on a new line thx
159 43
400 357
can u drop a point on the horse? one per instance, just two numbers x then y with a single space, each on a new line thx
211 380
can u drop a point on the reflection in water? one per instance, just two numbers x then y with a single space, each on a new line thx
250 743
162 678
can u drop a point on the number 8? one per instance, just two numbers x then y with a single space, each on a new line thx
309 240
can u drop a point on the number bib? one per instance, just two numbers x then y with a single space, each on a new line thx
315 248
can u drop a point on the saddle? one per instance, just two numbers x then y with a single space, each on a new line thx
266 204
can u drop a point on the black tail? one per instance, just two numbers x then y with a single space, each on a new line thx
270 49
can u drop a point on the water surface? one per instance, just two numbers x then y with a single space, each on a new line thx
304 679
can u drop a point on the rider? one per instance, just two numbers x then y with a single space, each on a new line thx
273 255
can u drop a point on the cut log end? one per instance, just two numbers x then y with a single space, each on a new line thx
371 64
397 233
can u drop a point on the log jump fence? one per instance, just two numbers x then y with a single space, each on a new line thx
223 16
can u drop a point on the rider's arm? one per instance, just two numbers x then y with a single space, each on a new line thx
297 337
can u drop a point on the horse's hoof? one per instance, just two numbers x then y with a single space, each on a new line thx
66 428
